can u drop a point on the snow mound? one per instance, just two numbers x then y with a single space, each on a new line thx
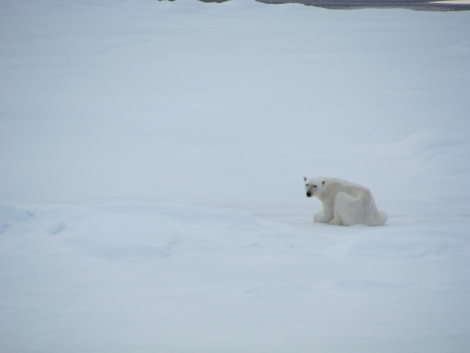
123 237
11 214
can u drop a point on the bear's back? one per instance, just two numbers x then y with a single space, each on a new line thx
340 185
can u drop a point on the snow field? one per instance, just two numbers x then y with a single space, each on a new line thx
184 278
151 195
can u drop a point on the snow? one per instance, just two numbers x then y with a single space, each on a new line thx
152 156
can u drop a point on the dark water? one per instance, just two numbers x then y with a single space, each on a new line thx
423 5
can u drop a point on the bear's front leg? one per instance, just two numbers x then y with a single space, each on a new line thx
335 222
322 217
318 217
326 215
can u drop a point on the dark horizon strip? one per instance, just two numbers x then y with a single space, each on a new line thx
419 5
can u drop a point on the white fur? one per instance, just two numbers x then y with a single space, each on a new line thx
344 203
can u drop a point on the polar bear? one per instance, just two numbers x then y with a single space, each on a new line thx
344 203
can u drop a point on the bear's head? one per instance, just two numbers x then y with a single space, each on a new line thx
313 186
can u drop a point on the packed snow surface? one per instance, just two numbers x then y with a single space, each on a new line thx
151 192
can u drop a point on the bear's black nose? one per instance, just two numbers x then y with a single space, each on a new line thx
309 194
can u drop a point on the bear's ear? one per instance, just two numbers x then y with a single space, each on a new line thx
305 178
323 182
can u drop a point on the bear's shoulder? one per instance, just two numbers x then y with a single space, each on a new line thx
336 185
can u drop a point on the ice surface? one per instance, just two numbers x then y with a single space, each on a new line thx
152 156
